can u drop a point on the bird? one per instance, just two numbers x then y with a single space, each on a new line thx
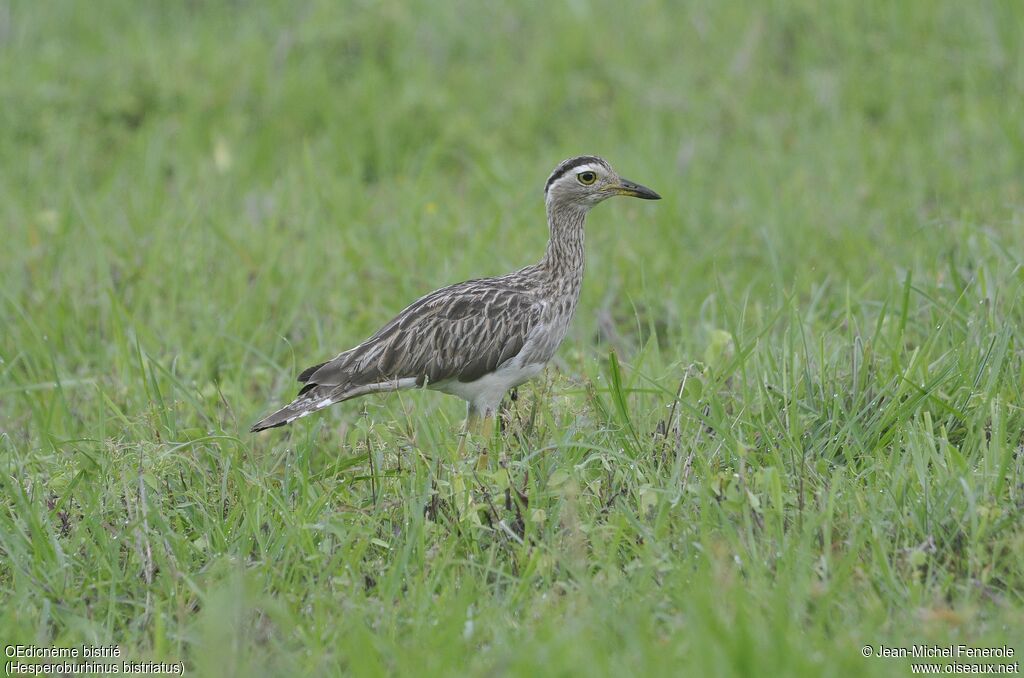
479 338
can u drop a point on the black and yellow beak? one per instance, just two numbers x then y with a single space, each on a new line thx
635 190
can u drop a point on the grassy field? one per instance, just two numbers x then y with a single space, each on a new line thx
787 421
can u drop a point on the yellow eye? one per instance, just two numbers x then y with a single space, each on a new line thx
586 178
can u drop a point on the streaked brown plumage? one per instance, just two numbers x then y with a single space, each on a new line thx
478 338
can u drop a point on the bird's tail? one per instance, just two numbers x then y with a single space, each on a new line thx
312 398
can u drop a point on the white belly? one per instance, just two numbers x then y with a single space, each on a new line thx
485 394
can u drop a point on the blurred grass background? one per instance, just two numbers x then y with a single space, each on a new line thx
808 439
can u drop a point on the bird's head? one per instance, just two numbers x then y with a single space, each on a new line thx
586 180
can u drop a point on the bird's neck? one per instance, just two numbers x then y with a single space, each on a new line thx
564 258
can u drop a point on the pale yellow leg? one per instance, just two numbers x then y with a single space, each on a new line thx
486 430
481 428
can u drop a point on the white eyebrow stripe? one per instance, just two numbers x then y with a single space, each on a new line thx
571 165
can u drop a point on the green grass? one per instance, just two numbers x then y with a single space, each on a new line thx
787 421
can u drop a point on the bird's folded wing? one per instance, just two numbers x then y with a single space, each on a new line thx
460 332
